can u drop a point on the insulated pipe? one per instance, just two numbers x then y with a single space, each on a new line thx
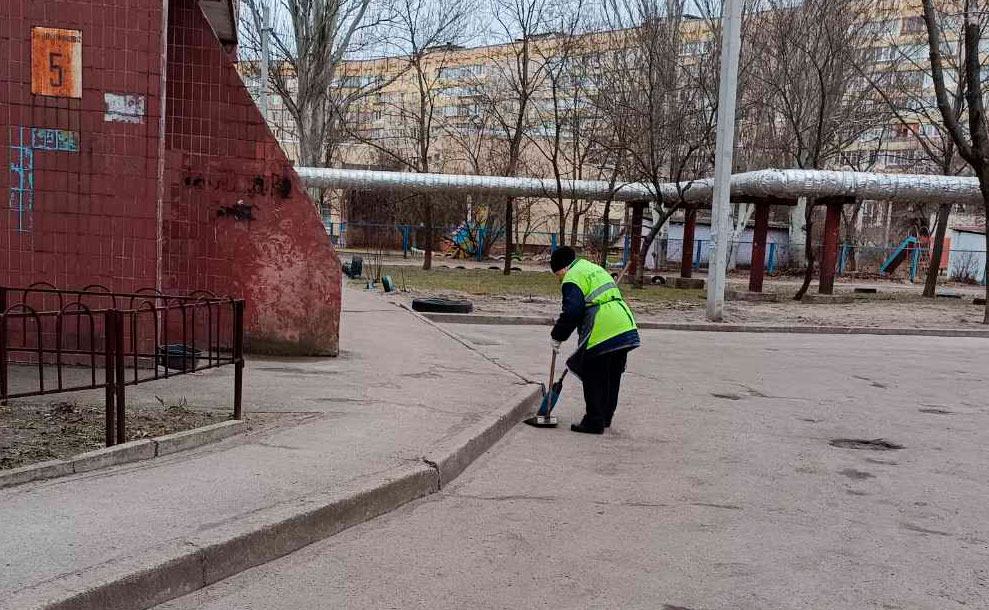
781 185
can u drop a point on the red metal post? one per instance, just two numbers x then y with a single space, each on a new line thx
238 358
829 249
119 376
687 250
636 239
109 371
757 271
3 358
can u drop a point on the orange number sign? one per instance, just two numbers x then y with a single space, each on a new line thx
56 62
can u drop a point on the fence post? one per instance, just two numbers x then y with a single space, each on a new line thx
238 358
3 357
119 377
109 366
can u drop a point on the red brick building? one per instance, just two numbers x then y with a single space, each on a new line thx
138 159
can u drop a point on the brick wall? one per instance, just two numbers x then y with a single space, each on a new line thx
97 186
79 191
236 218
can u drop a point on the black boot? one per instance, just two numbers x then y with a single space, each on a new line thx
585 429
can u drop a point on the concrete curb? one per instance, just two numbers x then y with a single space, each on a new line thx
450 318
182 566
451 457
134 451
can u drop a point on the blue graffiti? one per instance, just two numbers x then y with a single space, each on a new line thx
21 179
54 139
23 143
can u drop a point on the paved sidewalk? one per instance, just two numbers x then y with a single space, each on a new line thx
399 387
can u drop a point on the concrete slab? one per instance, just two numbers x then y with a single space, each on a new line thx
754 297
717 488
814 298
190 439
687 283
33 472
398 388
133 451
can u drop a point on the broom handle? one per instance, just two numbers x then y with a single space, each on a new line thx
552 375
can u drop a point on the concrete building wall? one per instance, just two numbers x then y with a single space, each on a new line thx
702 242
220 154
111 186
967 259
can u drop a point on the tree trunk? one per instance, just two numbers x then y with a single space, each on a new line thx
509 225
606 238
574 226
808 250
647 242
985 267
937 250
562 229
798 214
427 259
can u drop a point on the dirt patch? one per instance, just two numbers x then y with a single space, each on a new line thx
537 294
36 432
903 312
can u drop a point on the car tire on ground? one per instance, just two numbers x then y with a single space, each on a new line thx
442 306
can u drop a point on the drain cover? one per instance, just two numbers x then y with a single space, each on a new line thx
876 444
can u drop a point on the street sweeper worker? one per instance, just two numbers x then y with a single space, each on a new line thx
593 304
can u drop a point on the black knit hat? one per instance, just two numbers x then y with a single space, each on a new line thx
561 258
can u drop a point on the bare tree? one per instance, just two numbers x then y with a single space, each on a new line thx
969 131
513 80
423 34
311 40
565 119
917 115
813 54
472 147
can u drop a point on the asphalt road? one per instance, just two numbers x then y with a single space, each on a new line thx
720 487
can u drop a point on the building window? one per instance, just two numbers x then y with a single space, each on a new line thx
913 25
696 47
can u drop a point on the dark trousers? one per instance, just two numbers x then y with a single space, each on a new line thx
602 378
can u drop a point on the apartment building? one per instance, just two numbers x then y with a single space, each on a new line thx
392 109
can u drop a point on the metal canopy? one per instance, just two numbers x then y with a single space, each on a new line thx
222 18
779 186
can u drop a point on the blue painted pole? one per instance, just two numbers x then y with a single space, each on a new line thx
914 259
625 251
552 242
771 267
843 259
697 253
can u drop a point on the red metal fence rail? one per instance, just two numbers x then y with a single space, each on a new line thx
93 338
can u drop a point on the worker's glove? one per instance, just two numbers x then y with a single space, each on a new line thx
556 345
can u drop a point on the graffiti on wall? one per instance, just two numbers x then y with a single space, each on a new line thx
23 142
54 139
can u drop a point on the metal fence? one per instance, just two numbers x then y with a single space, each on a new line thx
958 264
409 239
93 338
